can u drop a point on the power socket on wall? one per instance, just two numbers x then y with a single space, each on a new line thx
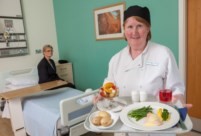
38 51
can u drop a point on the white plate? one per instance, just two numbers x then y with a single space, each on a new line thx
115 108
131 122
114 117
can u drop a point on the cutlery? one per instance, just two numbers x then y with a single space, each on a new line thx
118 102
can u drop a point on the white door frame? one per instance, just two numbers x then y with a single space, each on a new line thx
182 38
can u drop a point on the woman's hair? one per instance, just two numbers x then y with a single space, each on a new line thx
144 22
47 46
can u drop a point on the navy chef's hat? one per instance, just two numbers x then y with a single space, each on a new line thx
142 12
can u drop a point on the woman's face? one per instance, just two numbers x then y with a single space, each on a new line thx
136 32
48 52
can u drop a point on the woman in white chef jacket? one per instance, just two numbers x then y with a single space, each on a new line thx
143 65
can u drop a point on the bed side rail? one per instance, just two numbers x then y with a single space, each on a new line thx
74 110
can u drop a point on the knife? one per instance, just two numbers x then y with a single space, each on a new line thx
180 123
118 102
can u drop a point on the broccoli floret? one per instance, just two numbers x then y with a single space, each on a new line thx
165 114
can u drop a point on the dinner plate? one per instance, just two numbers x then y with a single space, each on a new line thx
131 122
114 117
116 106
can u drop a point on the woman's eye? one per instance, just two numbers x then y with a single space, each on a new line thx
130 26
139 26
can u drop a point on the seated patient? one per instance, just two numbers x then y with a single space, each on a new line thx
47 68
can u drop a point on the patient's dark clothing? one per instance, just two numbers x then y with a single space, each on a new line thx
47 71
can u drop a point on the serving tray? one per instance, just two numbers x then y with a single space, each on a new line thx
120 127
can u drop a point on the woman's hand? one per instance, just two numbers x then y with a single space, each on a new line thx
97 98
180 97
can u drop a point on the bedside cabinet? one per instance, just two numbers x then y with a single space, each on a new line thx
65 72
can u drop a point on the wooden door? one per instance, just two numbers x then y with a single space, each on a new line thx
194 60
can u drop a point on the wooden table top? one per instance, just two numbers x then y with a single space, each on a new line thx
31 90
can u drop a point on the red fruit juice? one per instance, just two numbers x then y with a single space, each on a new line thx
165 95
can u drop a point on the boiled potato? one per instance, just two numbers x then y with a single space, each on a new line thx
103 118
104 114
106 121
97 120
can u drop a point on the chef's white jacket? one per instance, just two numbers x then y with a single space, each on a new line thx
155 68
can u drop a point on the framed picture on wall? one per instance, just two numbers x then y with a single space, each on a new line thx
109 22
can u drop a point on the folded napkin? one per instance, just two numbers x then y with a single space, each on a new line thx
182 113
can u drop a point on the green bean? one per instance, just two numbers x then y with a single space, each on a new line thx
140 113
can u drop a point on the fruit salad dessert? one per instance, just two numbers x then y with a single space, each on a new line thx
109 90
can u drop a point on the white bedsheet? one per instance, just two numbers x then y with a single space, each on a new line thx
42 112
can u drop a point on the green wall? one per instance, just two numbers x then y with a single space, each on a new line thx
76 35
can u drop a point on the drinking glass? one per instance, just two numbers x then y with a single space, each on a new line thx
108 97
165 95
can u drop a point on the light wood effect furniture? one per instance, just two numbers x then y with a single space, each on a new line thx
65 72
193 60
13 99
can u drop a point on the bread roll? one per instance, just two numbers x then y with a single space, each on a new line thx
96 120
106 121
104 114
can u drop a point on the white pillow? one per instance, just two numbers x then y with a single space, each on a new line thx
22 80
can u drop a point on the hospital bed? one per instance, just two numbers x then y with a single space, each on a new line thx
37 111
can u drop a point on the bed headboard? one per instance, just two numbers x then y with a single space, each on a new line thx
29 70
81 105
32 70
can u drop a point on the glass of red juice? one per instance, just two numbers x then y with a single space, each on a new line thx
165 95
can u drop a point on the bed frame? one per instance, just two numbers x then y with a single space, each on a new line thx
77 103
14 102
15 106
